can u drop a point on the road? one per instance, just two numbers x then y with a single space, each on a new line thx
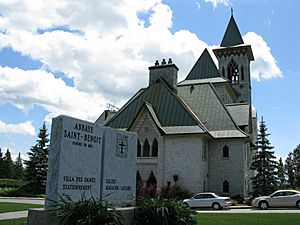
250 210
39 201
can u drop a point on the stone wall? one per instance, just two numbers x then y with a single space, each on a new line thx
232 169
183 157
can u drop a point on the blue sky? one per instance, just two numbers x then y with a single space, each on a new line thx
75 57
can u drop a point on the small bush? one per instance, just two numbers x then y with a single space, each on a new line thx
11 183
176 192
159 211
87 212
233 202
239 199
18 192
248 200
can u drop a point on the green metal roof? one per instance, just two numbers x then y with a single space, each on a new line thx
168 108
204 68
240 113
204 102
232 35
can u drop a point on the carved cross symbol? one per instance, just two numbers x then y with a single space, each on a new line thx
122 145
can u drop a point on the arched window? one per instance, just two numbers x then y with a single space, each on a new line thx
233 72
242 73
139 183
146 149
225 151
139 149
223 72
225 186
154 148
151 182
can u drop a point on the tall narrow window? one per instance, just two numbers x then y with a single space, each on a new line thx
151 182
154 148
223 72
242 73
233 72
139 150
225 186
139 183
146 149
225 151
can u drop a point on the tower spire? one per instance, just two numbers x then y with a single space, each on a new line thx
231 11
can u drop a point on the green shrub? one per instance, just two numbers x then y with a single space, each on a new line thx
12 183
17 192
87 212
159 211
248 200
239 199
233 202
176 192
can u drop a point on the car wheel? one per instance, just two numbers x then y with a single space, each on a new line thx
187 205
298 204
216 206
263 205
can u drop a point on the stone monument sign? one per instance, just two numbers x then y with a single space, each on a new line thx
86 158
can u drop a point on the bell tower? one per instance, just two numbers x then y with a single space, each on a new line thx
234 61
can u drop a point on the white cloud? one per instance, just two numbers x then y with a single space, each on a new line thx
216 2
107 56
118 47
24 89
264 65
25 128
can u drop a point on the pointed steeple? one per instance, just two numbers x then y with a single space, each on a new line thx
204 68
232 34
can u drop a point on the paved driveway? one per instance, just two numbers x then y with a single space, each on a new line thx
250 210
39 201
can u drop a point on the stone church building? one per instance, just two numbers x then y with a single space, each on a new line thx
200 132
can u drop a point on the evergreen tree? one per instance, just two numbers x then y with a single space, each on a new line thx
19 170
281 173
2 169
37 165
7 165
265 181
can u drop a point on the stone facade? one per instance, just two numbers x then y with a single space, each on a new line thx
198 133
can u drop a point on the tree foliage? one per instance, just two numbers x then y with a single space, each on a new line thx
292 168
37 165
265 181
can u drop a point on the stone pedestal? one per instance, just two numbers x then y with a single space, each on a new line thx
45 217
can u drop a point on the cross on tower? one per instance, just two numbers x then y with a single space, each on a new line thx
122 145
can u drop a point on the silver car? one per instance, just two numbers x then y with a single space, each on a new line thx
282 198
207 200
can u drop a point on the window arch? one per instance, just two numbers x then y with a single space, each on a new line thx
139 183
154 148
139 148
233 72
225 151
242 73
146 149
151 182
225 186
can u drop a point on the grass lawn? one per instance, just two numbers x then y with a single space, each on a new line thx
13 222
249 218
14 207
